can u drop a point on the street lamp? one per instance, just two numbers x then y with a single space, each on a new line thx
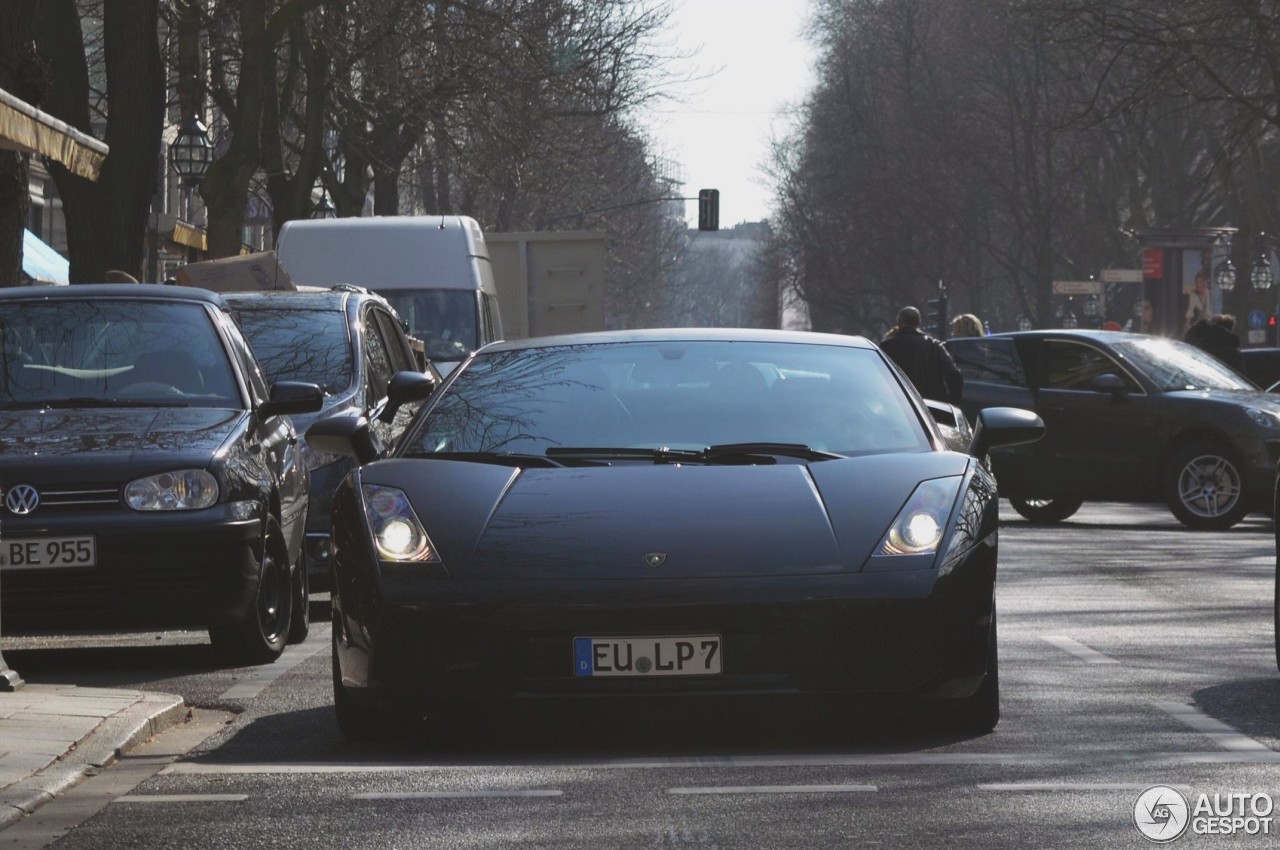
324 207
1260 275
1225 276
191 152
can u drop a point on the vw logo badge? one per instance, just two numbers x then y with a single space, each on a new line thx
655 559
22 499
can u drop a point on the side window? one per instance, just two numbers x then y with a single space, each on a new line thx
492 320
397 346
1071 366
248 363
377 361
993 361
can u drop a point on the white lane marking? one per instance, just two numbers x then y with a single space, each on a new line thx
775 789
260 678
1078 649
182 798
1220 733
456 795
1027 787
889 759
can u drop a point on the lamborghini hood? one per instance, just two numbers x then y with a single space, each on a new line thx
661 521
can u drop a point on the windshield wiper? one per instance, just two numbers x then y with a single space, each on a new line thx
727 453
498 458
750 451
604 453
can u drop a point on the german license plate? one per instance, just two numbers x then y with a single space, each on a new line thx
38 552
696 655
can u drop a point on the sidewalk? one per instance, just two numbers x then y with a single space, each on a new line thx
52 736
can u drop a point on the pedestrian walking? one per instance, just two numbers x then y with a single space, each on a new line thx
1217 335
924 359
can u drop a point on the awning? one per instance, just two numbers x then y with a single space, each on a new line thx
41 262
25 128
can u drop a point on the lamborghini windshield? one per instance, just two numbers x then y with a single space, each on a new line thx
672 395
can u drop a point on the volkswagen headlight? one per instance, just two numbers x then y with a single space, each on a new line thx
919 526
184 490
397 533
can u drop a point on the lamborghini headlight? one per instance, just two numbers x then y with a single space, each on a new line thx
397 533
919 526
184 490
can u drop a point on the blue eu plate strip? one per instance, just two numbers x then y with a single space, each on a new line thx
582 656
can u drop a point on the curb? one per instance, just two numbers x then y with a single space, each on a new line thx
111 739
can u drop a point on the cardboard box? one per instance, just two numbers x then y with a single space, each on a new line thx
260 272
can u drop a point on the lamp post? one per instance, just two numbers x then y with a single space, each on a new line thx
190 155
324 207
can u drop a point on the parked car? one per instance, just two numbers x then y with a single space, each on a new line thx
1261 365
350 342
1129 417
667 513
149 477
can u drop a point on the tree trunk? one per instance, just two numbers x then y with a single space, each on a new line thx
107 220
14 204
17 66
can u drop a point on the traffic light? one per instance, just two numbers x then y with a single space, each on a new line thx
935 319
708 209
1271 330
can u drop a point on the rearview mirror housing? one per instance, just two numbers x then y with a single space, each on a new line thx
403 388
1004 426
348 435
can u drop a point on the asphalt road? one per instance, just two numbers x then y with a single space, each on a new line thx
1133 653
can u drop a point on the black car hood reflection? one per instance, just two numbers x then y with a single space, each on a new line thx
491 522
105 433
1245 398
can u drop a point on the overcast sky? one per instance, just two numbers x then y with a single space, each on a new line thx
754 65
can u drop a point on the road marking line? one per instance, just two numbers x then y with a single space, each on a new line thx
182 798
1025 787
450 795
1220 733
257 680
774 789
1078 649
886 759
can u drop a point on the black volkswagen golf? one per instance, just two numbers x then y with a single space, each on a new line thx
148 476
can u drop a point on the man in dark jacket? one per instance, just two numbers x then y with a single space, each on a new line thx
927 363
1217 335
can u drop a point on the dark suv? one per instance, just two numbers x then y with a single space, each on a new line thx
1127 417
350 342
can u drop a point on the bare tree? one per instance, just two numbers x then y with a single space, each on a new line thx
20 76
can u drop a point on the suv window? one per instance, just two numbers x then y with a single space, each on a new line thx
1071 366
393 335
301 345
377 363
994 361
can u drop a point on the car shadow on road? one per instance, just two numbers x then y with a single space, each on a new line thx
545 732
1250 706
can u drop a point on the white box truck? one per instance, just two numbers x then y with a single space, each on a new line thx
549 282
435 270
